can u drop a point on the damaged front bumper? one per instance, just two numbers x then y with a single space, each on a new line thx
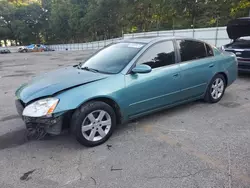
51 125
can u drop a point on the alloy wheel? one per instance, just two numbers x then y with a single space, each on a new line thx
217 88
96 125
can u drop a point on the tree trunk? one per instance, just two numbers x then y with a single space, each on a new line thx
37 38
5 42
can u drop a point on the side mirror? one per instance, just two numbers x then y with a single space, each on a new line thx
142 69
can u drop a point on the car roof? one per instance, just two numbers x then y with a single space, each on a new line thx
153 39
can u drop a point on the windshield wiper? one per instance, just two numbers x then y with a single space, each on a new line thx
79 66
89 69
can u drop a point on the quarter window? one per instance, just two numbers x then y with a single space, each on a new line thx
209 51
191 50
159 55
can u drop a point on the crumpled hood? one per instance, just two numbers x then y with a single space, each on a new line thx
238 28
56 81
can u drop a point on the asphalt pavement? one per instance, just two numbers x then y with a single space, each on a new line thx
194 145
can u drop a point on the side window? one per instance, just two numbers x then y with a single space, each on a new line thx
159 55
191 50
209 51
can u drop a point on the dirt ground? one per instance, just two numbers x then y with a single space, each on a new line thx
194 145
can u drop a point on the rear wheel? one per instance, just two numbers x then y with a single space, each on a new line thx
93 123
216 89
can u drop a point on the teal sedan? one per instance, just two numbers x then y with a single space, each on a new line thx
124 81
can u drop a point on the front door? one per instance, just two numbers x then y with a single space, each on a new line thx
158 88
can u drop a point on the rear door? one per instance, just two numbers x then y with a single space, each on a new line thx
158 88
197 66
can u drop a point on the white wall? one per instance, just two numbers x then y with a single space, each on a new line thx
215 36
84 46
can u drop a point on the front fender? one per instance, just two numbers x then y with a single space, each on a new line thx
75 97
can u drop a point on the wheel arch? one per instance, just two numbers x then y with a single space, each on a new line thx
225 76
111 102
217 73
106 100
221 73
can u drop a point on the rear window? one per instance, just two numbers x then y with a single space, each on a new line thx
191 50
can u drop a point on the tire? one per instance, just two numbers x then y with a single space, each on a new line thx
216 89
96 127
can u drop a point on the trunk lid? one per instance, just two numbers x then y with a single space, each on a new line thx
238 28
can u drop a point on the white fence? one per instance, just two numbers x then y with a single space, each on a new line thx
84 46
216 36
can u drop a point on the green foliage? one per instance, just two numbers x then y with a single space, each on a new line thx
65 21
241 8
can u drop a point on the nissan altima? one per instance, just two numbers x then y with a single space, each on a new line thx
124 81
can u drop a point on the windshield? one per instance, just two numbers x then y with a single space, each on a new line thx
114 58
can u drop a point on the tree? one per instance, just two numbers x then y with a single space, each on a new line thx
241 8
64 21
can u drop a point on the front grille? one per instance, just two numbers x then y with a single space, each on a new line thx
241 54
245 54
42 121
244 66
247 60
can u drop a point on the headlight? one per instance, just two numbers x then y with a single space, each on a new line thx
43 107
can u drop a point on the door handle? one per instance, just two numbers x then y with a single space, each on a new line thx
176 75
211 65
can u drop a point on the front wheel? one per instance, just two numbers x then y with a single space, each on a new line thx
216 89
93 123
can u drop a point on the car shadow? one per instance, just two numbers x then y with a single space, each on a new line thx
245 76
19 137
156 115
13 139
